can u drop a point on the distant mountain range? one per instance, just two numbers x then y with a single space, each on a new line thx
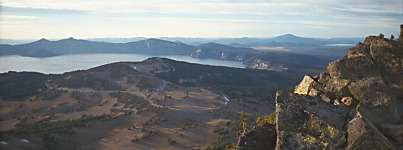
282 40
297 49
285 40
46 48
162 46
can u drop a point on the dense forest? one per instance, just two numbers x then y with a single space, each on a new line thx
18 86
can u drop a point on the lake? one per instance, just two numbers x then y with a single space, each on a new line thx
66 63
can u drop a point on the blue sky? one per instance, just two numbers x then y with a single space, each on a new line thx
34 19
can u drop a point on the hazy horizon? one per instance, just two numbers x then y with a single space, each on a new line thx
36 19
172 37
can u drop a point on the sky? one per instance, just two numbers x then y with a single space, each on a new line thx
56 19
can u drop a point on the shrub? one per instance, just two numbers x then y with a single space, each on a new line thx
271 119
171 141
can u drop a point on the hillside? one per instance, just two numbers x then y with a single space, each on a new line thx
142 105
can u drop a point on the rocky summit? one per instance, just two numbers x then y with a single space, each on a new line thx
357 104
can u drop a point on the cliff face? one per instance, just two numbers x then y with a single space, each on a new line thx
357 105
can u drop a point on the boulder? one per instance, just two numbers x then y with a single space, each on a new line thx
377 102
369 90
362 134
353 69
337 88
310 86
305 86
309 121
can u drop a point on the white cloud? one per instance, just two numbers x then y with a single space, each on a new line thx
207 17
256 7
13 23
2 17
156 6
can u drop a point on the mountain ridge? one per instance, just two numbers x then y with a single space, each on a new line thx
79 46
156 47
198 41
184 46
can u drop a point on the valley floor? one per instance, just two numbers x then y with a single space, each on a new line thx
163 116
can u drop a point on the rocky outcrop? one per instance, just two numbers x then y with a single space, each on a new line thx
357 105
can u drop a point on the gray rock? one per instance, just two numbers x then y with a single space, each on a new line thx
326 99
389 59
393 131
362 134
292 140
371 92
377 103
259 137
353 69
309 121
337 88
324 77
378 115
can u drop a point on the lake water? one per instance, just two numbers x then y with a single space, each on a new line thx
341 44
65 63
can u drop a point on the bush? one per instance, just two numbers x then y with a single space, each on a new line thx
171 141
46 126
271 119
135 139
